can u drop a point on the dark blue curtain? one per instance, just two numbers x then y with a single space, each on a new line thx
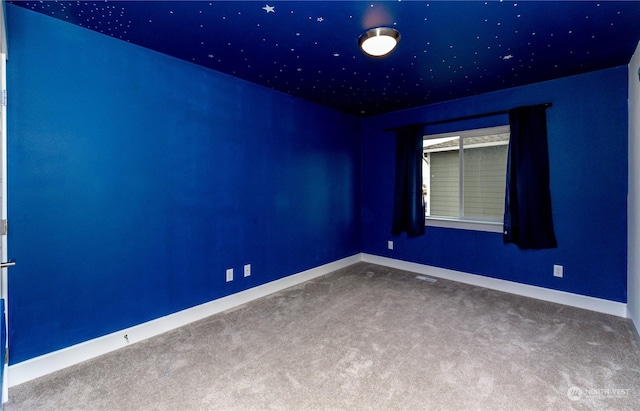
408 210
528 221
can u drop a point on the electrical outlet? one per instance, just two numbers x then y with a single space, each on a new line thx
247 270
390 245
229 274
558 271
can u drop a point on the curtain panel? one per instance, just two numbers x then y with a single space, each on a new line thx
409 208
528 221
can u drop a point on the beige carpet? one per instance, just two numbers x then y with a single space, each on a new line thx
364 338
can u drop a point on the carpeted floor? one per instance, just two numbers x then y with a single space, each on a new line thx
364 338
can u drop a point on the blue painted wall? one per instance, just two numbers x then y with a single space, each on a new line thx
136 179
587 132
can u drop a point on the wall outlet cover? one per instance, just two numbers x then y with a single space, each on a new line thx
558 271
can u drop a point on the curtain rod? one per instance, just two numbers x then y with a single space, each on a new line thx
451 120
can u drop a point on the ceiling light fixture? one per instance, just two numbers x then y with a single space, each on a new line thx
379 41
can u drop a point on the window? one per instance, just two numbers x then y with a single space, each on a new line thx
468 187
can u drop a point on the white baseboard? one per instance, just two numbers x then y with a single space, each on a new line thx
57 360
546 294
48 363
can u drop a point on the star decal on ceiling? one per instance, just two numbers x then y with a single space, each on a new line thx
507 57
269 9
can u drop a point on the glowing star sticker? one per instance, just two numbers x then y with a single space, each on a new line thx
507 57
320 19
269 9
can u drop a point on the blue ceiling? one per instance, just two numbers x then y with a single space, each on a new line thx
309 49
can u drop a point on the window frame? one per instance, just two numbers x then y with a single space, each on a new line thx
461 222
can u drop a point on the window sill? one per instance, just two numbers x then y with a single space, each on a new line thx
488 226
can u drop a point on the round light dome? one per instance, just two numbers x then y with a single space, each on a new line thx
379 41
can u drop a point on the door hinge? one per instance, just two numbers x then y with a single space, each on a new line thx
6 356
4 229
4 98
